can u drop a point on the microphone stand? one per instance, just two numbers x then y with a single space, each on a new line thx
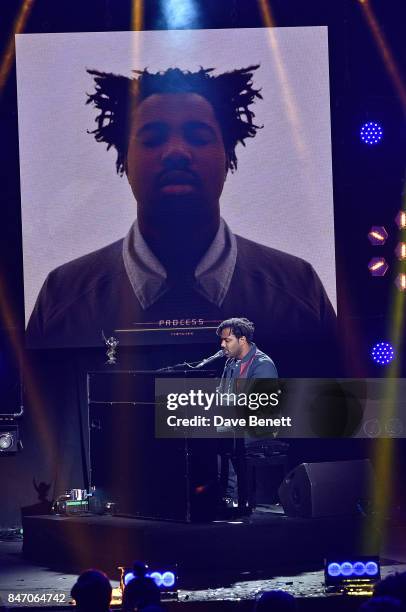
173 368
195 365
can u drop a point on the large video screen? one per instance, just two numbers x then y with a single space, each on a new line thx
141 254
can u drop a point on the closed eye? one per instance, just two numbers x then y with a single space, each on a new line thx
196 133
199 133
153 134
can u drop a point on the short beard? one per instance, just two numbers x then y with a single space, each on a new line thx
185 212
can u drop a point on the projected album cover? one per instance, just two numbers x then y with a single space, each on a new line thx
157 203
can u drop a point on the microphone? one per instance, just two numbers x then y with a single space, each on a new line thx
217 355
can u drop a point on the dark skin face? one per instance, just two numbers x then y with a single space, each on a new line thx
233 346
176 167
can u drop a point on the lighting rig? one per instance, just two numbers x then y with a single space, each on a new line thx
10 441
351 576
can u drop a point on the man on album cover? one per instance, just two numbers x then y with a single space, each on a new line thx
175 133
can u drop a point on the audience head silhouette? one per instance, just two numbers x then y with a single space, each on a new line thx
141 592
276 601
393 586
92 592
382 604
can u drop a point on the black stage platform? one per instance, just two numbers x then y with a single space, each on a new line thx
266 541
225 590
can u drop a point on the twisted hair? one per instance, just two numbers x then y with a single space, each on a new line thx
230 94
239 326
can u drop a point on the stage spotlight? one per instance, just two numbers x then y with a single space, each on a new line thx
401 251
378 266
377 235
400 281
355 576
371 133
372 568
165 580
383 353
359 568
157 577
400 219
128 576
168 579
352 568
8 439
180 13
334 569
346 568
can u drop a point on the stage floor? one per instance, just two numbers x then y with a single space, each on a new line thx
19 575
226 561
267 541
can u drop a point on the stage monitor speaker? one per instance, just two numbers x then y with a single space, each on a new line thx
326 489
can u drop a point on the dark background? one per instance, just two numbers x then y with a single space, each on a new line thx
369 185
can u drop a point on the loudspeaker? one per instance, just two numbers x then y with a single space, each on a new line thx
326 489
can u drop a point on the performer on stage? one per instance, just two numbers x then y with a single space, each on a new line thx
244 360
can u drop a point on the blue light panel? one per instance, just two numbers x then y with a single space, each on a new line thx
371 133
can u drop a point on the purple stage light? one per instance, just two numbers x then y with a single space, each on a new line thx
359 568
372 568
346 568
334 569
383 353
371 133
378 266
128 577
168 579
157 577
377 235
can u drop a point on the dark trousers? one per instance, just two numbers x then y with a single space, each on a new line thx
232 451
